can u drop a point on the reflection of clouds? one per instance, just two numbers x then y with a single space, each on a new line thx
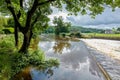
65 50
94 68
79 66
83 65
75 63
75 56
45 45
42 74
49 48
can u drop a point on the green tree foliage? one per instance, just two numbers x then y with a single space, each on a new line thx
61 26
10 22
50 29
118 29
3 22
28 14
86 30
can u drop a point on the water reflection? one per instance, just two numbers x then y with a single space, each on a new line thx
42 74
75 63
61 44
35 73
23 75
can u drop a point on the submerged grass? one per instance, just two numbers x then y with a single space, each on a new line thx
12 62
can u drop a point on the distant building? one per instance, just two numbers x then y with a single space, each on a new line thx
108 31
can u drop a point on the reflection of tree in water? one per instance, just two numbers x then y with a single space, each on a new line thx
25 75
43 73
60 44
40 73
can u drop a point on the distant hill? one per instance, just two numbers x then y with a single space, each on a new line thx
51 29
86 30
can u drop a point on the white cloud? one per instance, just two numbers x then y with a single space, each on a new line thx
63 14
107 19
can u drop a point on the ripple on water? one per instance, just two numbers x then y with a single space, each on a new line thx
112 66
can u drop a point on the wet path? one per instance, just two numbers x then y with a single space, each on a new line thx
75 62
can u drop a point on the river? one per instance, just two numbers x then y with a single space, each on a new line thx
107 54
76 61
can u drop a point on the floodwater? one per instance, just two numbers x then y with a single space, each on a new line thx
112 66
75 62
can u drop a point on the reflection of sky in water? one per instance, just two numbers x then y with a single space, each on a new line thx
49 48
79 66
75 63
39 75
63 73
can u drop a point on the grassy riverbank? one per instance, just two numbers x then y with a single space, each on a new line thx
12 62
104 36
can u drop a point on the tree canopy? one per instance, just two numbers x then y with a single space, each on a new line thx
61 26
118 29
30 15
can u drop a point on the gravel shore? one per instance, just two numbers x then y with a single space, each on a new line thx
107 47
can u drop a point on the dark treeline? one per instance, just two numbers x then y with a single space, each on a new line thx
86 30
73 29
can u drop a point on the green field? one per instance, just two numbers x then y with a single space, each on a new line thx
104 36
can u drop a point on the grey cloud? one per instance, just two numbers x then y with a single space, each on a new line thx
106 18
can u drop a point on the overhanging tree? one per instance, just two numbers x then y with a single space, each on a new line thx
28 14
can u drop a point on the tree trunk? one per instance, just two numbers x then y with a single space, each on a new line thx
16 35
26 42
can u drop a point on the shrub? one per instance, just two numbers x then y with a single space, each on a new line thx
63 35
71 34
78 35
15 62
1 32
8 30
6 44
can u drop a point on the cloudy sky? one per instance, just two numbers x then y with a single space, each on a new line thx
107 19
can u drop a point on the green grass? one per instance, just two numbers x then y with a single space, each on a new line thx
104 36
12 62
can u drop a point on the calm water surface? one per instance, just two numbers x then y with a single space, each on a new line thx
111 65
75 62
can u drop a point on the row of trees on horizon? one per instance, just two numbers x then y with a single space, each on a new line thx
7 26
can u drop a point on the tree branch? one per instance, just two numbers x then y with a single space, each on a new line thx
30 14
35 20
38 14
46 2
9 6
21 5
